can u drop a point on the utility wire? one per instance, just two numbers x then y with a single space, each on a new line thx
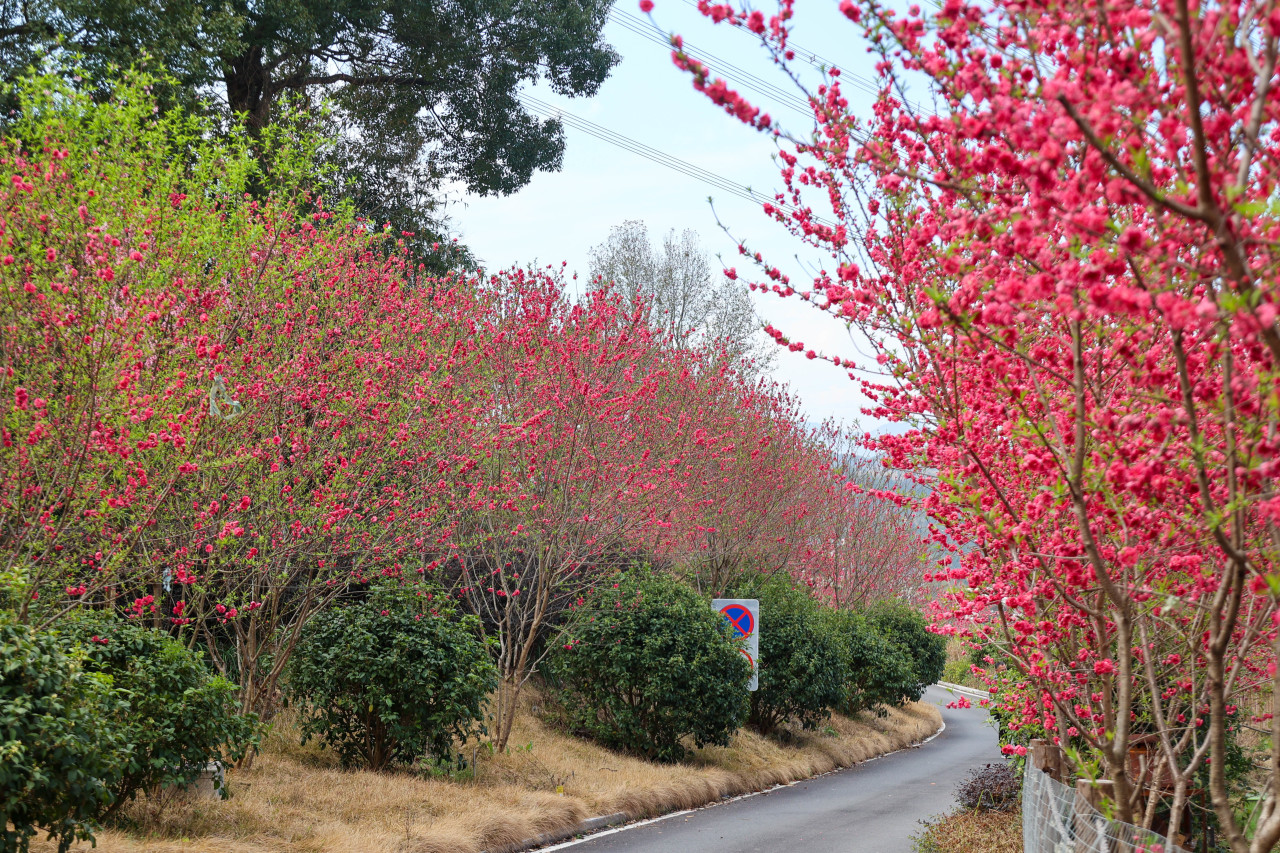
863 82
733 73
636 147
684 167
737 76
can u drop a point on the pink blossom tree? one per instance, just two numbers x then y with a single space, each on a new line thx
1067 269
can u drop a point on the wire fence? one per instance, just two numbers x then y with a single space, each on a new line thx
1058 819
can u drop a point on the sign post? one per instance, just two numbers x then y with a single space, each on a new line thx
743 614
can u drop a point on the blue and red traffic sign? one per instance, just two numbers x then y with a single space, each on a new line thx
744 624
744 615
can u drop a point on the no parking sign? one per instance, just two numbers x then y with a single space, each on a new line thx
743 614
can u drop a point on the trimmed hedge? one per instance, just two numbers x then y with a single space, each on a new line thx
176 715
58 761
905 627
390 680
879 675
647 664
802 658
97 712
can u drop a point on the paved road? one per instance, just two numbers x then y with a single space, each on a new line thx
873 807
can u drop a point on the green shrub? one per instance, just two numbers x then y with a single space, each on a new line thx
58 756
878 674
174 713
388 680
802 658
650 663
957 672
905 627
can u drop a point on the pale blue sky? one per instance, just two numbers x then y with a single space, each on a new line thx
560 216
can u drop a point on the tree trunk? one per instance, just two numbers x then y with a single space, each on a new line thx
248 88
508 693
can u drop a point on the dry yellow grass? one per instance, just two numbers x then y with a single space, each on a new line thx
294 799
966 831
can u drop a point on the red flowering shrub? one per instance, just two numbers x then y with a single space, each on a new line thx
1068 276
219 411
212 404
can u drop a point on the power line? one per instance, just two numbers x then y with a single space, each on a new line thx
726 69
684 167
867 84
648 152
737 76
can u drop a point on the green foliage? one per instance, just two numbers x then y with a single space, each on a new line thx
182 38
176 716
650 663
958 672
425 92
905 628
802 658
878 674
980 652
389 679
58 761
94 713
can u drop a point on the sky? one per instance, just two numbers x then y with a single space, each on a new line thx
559 216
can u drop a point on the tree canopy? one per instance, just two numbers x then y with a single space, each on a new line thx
421 92
675 283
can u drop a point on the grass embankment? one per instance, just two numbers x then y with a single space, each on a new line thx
296 799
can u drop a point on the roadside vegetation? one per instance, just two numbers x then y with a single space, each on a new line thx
988 817
990 832
265 426
284 513
300 799
961 659
1054 236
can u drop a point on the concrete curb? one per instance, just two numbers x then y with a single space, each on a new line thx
594 824
969 691
591 824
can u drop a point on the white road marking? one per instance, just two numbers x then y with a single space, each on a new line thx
601 834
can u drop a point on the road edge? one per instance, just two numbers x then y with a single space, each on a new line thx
594 827
968 691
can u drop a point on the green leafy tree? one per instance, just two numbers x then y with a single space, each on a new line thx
391 679
802 666
183 37
878 675
648 664
421 92
176 715
905 627
59 763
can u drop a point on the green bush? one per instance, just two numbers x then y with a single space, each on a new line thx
388 681
957 672
878 674
802 658
905 627
175 714
650 663
58 759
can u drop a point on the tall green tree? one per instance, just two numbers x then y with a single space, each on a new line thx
422 91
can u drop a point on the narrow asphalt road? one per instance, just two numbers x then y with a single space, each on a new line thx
873 807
